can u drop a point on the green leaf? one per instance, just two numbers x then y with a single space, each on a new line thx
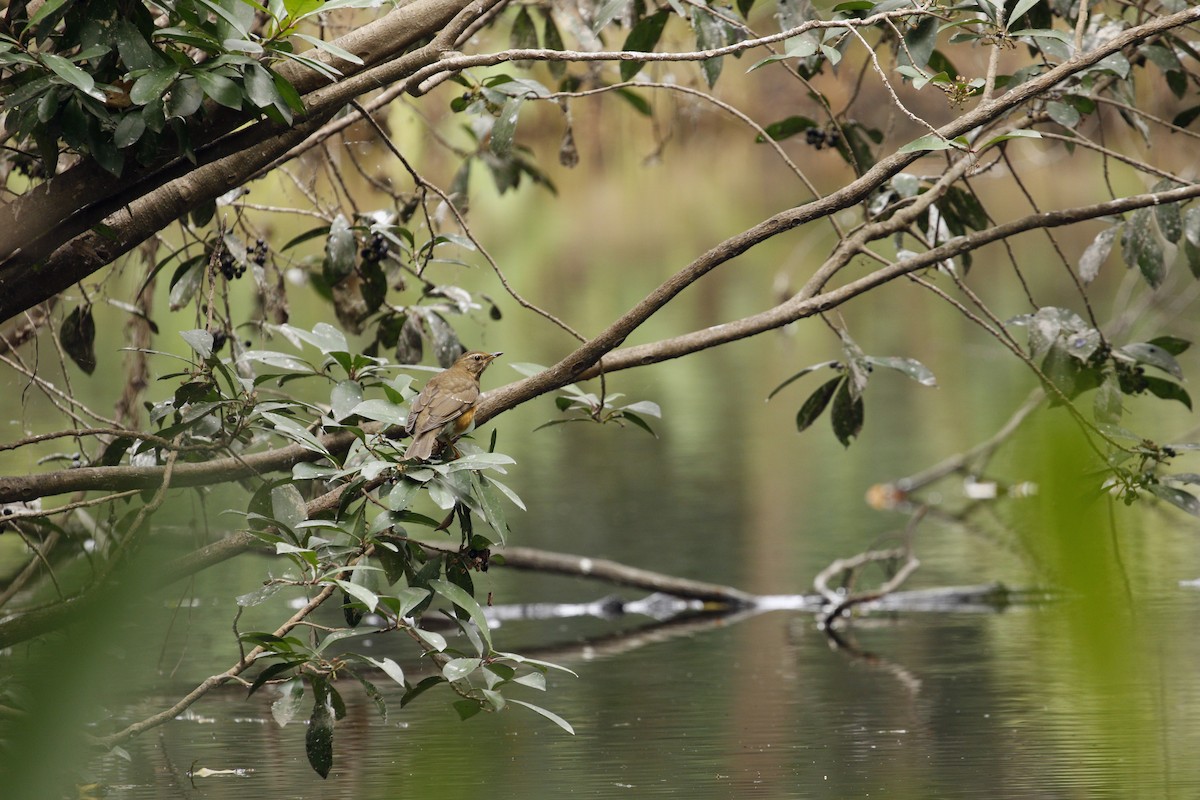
260 86
467 603
550 715
801 374
135 51
643 39
318 740
1186 117
1167 215
1167 390
711 33
1064 114
200 340
919 42
1177 497
269 672
184 99
72 74
1172 344
1155 356
847 415
344 397
221 89
291 696
389 667
341 251
458 668
288 506
331 48
1097 253
524 33
186 280
78 337
1141 248
151 87
129 130
786 128
381 411
908 366
360 593
607 13
553 41
48 9
816 403
1191 240
505 127
931 142
1107 404
1020 9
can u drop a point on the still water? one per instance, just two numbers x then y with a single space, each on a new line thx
1092 695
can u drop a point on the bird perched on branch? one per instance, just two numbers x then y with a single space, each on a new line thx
445 408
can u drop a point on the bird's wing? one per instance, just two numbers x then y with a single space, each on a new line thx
430 414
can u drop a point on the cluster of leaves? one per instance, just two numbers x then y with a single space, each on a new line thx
1076 358
1151 239
845 391
120 78
363 550
581 406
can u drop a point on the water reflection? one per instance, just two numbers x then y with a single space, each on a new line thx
945 705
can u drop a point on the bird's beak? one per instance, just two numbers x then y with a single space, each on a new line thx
496 355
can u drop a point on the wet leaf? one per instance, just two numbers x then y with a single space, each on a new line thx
1141 248
360 593
550 715
288 506
643 39
318 740
1167 215
1191 240
346 395
291 696
1177 497
1097 253
801 374
1167 390
505 127
1107 403
787 127
341 251
78 337
816 403
458 668
1155 356
847 414
1172 344
908 366
467 603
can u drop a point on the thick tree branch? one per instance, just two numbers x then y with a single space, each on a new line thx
89 229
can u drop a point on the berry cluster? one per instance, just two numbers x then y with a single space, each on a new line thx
819 137
477 559
376 250
259 254
229 265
